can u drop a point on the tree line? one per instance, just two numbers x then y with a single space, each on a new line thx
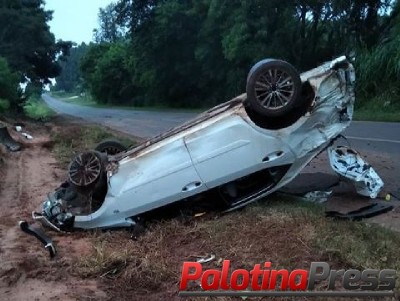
197 53
29 53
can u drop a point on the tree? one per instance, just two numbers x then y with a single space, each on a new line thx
104 68
378 68
70 79
198 53
134 14
26 41
9 89
110 30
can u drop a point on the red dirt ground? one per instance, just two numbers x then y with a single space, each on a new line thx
26 272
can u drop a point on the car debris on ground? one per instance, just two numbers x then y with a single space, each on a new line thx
205 259
19 127
371 210
317 196
347 163
8 141
39 234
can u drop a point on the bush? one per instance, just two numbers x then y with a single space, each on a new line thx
4 105
9 87
36 109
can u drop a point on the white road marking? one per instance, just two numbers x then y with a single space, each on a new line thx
373 139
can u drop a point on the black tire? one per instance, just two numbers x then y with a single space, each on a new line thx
110 147
273 88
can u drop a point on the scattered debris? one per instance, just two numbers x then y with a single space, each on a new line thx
27 136
317 196
311 187
45 240
349 165
205 259
18 128
364 212
8 141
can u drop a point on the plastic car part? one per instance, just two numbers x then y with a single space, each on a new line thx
43 238
273 87
364 212
110 147
347 163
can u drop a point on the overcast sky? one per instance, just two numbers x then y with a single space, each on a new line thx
74 20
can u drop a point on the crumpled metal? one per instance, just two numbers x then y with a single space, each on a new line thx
348 164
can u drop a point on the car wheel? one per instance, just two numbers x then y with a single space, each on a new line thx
85 169
110 147
273 88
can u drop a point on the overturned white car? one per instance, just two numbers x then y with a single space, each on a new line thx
230 156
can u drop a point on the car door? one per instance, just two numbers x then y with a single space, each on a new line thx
161 175
224 150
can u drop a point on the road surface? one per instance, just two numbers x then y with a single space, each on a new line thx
375 136
139 123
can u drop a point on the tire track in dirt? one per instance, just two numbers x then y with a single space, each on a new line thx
26 272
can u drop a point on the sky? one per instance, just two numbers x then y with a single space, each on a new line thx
74 20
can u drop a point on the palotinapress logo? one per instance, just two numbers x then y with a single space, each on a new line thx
264 281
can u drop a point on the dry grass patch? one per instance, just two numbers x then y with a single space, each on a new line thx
73 139
289 234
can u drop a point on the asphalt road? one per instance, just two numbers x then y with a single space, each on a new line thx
362 135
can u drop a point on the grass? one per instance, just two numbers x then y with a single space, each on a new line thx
37 109
368 114
103 261
379 108
289 234
69 141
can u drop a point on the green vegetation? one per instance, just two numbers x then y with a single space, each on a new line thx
37 109
381 107
28 51
9 91
70 80
378 110
198 53
79 138
4 105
